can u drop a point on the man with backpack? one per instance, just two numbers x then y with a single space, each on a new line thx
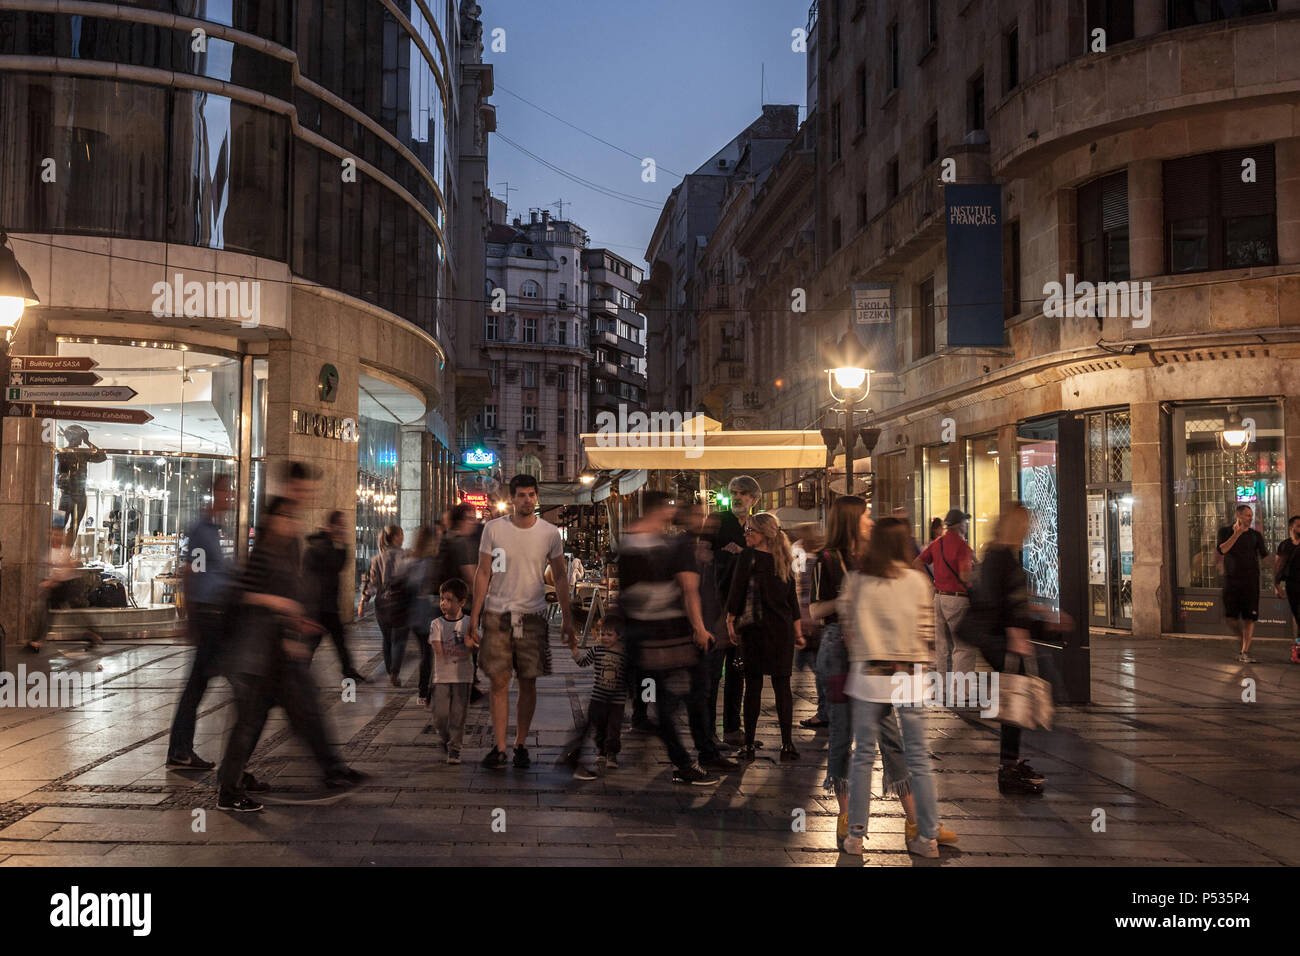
950 559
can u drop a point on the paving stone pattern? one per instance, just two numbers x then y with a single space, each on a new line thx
1186 772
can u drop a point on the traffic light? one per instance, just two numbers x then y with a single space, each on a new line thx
722 500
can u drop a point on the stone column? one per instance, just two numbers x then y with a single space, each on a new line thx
1152 575
26 509
1146 211
1008 465
1287 157
410 480
1291 448
1149 17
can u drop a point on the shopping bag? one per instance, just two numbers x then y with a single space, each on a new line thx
1025 700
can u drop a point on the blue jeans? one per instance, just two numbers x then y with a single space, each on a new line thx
869 719
832 659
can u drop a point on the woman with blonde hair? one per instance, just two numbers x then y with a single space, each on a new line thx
763 619
386 585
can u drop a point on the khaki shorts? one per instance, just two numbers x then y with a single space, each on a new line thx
501 651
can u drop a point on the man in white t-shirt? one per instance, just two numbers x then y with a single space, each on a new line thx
510 599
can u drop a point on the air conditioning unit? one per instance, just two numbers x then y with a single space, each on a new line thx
562 304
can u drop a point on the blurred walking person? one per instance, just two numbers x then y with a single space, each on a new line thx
270 658
322 564
422 582
658 614
763 620
458 558
205 582
384 584
887 612
1286 578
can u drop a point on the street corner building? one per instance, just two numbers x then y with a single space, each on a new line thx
265 220
1067 237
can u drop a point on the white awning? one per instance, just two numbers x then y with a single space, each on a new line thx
702 450
624 482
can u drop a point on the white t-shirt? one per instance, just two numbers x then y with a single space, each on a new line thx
521 587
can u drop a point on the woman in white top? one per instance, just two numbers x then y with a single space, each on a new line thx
887 615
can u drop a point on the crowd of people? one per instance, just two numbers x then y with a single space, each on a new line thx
711 611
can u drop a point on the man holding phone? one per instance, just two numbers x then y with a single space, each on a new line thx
1240 548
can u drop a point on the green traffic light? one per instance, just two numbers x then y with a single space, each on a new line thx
723 501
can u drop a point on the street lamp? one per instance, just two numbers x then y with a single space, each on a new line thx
16 294
1234 436
854 381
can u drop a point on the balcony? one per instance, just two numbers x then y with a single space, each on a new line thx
603 307
524 436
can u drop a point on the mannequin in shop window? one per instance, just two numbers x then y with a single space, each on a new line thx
72 463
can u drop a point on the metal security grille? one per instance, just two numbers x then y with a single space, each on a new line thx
1119 443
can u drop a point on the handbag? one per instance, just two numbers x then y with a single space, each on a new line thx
1025 700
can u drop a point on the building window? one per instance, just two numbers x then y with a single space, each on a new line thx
530 375
982 488
1113 16
975 102
530 418
891 178
559 421
895 61
1010 60
530 465
836 144
1011 260
530 331
862 97
1215 221
562 380
559 466
925 341
494 372
932 140
862 209
562 331
1185 13
1211 480
1103 228
530 289
489 416
491 326
837 235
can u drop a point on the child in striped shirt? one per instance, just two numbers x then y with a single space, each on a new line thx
608 696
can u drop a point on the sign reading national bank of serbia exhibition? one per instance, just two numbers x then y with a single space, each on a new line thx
974 239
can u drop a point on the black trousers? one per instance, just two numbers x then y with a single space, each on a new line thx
293 689
334 624
734 693
209 623
606 721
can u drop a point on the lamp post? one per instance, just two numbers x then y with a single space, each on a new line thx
16 294
853 379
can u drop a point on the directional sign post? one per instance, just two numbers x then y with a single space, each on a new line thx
54 378
82 413
51 363
57 393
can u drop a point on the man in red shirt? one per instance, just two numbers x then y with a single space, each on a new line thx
950 559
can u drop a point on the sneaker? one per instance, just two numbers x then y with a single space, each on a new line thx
926 848
1029 773
946 837
695 775
238 804
852 845
1246 659
252 785
842 827
1011 782
495 760
814 723
720 762
585 773
745 753
192 762
522 760
453 755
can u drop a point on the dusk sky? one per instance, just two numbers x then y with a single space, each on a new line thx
673 80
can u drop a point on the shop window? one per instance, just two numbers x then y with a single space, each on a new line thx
937 485
125 494
983 490
1215 221
1103 228
1211 478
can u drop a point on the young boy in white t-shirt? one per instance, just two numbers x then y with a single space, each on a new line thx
453 667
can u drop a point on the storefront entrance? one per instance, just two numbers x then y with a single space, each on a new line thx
1110 519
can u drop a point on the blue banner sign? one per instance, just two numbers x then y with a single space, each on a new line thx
974 234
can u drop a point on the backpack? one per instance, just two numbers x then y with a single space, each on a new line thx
393 602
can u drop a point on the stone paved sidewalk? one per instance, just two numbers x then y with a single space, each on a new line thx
1185 771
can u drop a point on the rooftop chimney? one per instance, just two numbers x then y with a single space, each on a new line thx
532 216
546 216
